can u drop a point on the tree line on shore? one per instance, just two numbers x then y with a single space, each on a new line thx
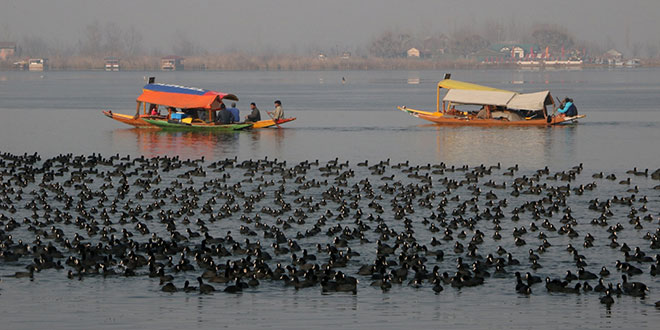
386 50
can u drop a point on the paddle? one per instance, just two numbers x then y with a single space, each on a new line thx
273 118
554 110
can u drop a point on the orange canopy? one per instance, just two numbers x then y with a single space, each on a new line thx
181 101
182 97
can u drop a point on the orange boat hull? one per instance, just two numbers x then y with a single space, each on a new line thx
449 120
271 122
131 120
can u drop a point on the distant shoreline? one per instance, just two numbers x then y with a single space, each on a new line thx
238 62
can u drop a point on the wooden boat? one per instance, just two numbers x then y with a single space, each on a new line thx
271 122
198 125
498 107
198 104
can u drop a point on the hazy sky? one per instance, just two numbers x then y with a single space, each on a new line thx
255 24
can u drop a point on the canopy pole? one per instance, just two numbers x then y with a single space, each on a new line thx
137 110
437 104
554 107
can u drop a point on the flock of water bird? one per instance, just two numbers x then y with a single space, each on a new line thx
198 226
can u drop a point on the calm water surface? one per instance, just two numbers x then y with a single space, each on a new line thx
59 112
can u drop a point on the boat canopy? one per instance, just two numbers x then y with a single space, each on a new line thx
479 97
183 97
531 101
455 84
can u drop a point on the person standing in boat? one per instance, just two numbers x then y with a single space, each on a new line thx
278 113
567 108
235 113
254 116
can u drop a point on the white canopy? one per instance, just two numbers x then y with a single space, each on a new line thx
510 100
464 96
530 101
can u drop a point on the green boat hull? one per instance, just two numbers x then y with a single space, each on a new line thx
196 127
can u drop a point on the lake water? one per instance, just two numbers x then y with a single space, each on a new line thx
56 113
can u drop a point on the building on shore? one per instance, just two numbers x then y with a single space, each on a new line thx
171 63
111 63
613 54
613 57
413 52
38 64
7 50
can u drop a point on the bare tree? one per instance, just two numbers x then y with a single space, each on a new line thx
636 49
382 46
35 46
651 50
493 31
592 48
5 32
92 40
435 45
184 46
552 36
466 42
513 30
132 41
390 45
113 40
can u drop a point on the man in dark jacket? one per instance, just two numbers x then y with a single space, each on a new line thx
254 116
225 117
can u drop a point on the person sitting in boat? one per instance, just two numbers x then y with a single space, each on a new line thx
170 111
224 116
568 108
236 118
484 112
278 113
216 115
452 111
153 110
254 116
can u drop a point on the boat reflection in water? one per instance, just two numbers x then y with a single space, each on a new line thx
529 146
193 145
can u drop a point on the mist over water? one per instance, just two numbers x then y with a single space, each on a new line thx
301 26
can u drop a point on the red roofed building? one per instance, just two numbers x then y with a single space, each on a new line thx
7 50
